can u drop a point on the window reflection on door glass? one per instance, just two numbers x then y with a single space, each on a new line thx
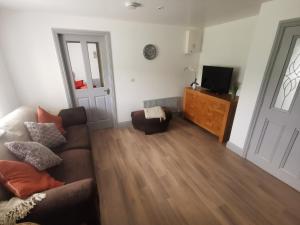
77 65
95 64
290 81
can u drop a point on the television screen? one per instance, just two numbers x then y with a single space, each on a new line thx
216 79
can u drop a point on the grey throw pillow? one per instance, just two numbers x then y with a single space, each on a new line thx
34 153
45 133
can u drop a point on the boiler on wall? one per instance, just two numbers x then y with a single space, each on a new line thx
193 41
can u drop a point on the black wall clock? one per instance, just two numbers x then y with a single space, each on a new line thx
150 52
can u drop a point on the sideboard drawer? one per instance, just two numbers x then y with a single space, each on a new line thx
210 111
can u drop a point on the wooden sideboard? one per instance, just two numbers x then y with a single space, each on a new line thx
210 111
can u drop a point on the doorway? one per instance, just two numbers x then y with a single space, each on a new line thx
273 142
86 64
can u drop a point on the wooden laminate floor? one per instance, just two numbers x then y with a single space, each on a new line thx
184 177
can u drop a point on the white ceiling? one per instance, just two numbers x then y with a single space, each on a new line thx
176 12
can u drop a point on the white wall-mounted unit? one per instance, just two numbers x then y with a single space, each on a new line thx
193 40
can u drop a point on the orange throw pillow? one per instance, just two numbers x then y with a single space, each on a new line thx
24 180
44 117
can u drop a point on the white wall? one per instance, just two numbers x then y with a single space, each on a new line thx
228 45
270 15
27 42
8 97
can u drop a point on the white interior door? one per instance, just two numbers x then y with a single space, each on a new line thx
275 143
87 67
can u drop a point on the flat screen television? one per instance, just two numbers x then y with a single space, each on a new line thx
216 79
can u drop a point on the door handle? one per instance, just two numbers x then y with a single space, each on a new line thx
107 91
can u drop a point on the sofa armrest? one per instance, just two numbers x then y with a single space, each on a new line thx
73 116
64 198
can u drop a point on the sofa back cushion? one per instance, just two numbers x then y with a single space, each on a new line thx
73 116
14 130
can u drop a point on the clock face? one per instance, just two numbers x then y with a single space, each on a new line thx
150 52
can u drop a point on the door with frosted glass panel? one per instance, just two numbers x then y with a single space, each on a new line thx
275 143
87 67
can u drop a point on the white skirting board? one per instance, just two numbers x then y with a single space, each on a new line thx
124 124
234 148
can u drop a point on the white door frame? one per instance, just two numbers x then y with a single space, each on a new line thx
283 25
57 33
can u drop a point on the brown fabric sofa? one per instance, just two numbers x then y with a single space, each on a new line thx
77 201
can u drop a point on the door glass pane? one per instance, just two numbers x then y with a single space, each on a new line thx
290 81
95 64
77 65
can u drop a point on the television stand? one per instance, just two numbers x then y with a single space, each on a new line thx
211 111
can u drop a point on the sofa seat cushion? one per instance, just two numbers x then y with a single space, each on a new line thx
63 199
77 137
76 165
